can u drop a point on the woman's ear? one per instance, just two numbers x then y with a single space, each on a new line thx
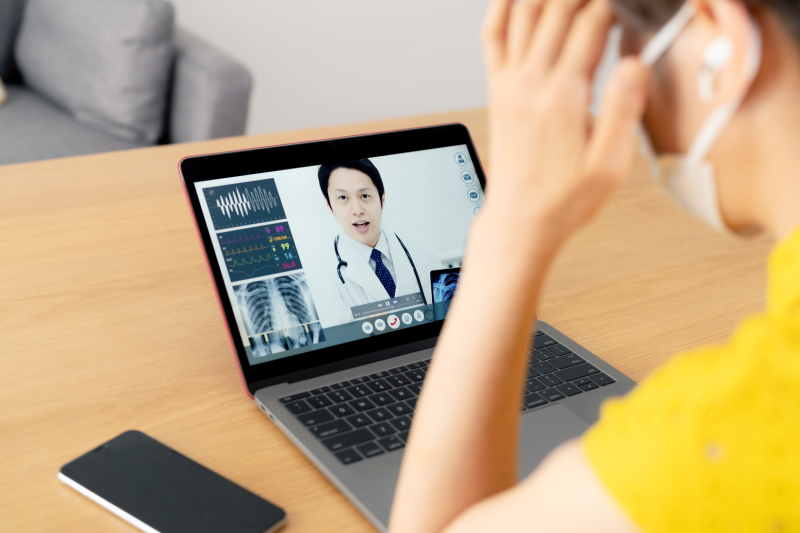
722 75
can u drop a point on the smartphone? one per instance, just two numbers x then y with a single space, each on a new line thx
159 490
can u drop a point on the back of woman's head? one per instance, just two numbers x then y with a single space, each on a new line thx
650 15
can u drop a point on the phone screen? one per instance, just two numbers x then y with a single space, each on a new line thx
157 489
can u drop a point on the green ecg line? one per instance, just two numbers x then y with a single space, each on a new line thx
253 260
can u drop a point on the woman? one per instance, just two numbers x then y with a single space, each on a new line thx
724 88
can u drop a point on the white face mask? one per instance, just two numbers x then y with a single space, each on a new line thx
689 179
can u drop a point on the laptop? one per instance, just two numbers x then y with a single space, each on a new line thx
326 257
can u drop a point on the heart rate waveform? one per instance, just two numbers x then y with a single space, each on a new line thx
260 251
244 204
241 203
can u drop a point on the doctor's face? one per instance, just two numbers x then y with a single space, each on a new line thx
355 203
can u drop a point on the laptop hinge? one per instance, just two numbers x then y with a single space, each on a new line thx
346 364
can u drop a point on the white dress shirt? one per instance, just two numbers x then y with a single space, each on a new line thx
383 248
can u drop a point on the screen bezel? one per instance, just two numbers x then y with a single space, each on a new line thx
196 169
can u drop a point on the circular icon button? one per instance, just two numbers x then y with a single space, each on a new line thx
393 321
380 325
366 327
406 318
419 316
461 159
473 194
467 177
477 210
429 314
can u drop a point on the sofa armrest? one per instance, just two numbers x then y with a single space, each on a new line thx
210 92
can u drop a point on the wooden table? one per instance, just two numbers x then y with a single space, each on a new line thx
108 321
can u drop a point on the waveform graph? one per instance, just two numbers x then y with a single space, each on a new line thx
243 204
259 251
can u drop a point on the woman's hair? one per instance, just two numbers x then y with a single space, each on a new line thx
650 15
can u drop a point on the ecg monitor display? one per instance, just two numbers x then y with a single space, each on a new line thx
250 203
330 253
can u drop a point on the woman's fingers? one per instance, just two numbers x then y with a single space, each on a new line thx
587 37
521 24
613 141
553 26
494 32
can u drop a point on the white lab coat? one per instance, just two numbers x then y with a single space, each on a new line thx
362 286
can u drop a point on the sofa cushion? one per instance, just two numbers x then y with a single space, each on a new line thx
10 16
31 128
106 62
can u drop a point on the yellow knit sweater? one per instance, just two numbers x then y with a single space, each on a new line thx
711 441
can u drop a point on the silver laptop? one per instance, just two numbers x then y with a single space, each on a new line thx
334 262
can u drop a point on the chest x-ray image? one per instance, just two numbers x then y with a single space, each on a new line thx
444 286
279 314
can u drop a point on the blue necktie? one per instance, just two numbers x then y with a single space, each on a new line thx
383 273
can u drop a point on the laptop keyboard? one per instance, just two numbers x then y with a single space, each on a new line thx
371 415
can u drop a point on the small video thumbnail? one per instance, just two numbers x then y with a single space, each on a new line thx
444 287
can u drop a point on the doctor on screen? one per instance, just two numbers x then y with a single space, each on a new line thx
373 263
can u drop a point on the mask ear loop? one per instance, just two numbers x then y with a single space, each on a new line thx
722 115
664 38
652 52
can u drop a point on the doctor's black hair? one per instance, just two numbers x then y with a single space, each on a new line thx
650 15
362 165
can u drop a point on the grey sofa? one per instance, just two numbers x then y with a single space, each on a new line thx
88 76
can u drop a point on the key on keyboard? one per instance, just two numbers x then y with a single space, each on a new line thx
359 418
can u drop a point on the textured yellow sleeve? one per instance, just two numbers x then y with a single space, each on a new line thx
711 442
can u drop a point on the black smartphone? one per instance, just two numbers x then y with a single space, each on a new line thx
159 490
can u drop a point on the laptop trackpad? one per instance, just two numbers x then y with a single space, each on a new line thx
542 431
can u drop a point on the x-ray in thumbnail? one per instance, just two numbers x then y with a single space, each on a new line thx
259 346
445 287
294 337
315 333
277 341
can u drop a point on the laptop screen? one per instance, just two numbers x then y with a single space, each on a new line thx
323 255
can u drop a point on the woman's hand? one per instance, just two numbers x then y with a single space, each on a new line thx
550 172
551 168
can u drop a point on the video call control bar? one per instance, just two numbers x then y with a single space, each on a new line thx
383 306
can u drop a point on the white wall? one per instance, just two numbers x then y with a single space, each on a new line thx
324 62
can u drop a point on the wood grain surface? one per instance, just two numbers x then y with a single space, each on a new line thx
108 322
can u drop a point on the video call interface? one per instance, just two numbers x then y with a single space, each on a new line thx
318 256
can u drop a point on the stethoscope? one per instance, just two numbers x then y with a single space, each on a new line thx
344 264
